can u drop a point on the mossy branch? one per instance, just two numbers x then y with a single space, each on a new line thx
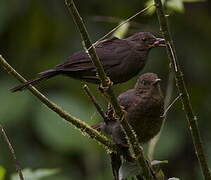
181 86
106 86
73 120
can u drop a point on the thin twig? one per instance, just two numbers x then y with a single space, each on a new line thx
94 101
107 89
122 23
12 151
73 120
111 19
181 86
170 105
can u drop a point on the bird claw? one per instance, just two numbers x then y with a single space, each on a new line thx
102 88
117 117
137 157
162 116
123 109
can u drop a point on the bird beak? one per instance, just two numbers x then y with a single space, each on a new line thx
157 81
159 42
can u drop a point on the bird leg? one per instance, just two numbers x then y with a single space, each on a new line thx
104 89
124 111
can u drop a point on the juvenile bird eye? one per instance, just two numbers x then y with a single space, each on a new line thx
144 82
144 39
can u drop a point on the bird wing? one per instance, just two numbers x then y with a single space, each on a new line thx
141 104
127 99
109 52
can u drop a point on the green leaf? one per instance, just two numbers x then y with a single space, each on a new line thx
122 31
129 169
157 164
2 173
176 5
157 168
192 1
151 10
36 174
160 175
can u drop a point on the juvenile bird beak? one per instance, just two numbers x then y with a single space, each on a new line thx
159 42
157 81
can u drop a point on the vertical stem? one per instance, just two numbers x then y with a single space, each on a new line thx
87 42
94 101
12 151
181 86
138 151
107 89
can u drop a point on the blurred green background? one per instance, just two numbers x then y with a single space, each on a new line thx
36 35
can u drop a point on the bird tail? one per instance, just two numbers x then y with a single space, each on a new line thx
43 75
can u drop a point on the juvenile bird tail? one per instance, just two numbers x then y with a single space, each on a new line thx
43 75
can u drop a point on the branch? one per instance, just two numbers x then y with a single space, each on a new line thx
181 86
87 42
105 82
107 89
99 109
76 122
105 118
94 101
110 19
12 151
122 23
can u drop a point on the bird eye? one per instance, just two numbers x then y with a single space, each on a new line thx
144 82
144 39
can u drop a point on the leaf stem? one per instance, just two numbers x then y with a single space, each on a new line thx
181 86
12 151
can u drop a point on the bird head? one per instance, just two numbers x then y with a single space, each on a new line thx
147 40
148 83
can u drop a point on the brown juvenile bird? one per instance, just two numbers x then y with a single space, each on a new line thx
144 106
121 58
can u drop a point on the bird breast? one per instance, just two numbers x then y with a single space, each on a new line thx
145 119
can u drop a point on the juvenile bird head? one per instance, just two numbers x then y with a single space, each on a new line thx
149 84
146 40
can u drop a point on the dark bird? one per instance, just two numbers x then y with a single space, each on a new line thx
144 106
121 58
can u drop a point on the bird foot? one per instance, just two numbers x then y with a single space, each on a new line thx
103 89
117 118
124 111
